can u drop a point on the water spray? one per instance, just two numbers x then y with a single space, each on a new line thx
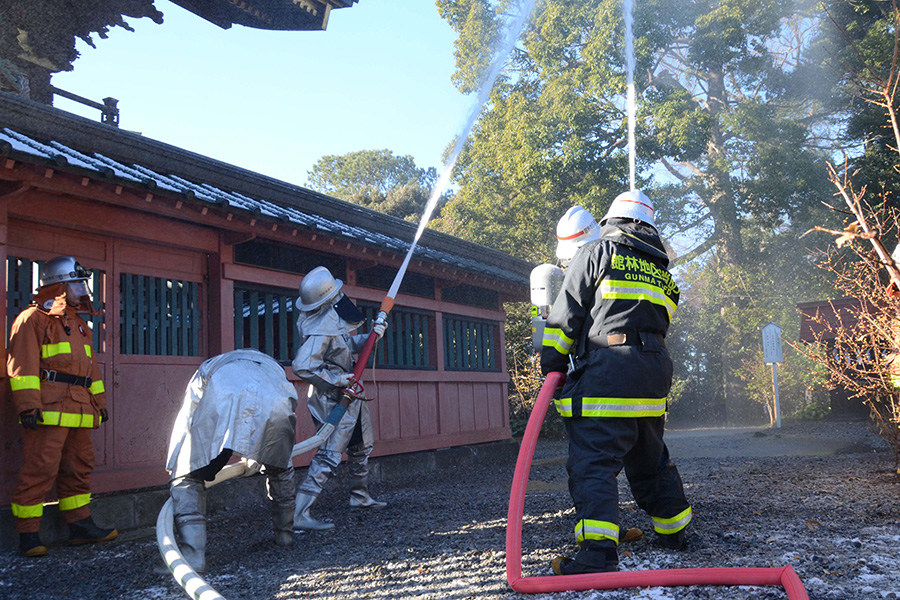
629 90
513 31
785 576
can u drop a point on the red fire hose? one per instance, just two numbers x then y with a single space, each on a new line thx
782 576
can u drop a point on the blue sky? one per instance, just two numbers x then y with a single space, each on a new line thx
275 102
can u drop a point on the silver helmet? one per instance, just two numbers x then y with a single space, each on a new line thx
317 288
62 269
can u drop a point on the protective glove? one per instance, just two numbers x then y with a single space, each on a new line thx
104 416
379 328
251 465
30 418
344 380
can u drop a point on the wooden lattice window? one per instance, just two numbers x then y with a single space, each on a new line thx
159 317
407 341
22 278
470 344
265 319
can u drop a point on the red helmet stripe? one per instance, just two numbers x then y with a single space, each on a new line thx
573 236
650 208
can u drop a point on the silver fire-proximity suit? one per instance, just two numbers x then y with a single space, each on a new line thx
238 403
325 360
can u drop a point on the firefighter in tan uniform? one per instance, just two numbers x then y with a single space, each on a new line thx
58 394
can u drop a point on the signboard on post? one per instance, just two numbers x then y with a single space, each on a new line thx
771 339
772 354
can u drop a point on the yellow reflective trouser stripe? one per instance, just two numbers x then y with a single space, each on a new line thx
555 338
88 350
48 350
613 407
563 406
895 381
587 529
97 387
673 524
26 382
73 502
623 407
52 417
27 512
635 290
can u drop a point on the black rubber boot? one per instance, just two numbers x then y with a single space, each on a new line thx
596 561
86 531
672 541
30 545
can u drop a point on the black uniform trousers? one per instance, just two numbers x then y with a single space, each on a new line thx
599 447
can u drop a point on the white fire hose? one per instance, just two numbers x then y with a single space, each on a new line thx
195 586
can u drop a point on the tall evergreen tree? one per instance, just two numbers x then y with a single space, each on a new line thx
376 179
730 132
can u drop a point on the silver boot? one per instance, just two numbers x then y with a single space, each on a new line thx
359 494
189 508
193 542
280 490
302 519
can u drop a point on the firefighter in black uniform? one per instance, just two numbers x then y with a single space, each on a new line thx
612 316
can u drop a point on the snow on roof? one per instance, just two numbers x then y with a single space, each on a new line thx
63 156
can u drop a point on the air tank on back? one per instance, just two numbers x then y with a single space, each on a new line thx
546 281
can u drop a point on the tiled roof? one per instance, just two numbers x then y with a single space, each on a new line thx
31 131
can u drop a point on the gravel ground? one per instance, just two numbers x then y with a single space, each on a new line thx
821 497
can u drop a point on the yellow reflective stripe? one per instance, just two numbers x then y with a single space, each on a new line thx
555 338
672 524
25 382
635 290
563 406
97 387
588 529
73 502
623 407
52 417
48 350
88 350
27 512
895 381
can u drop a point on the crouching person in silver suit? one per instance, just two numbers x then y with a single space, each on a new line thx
237 404
325 360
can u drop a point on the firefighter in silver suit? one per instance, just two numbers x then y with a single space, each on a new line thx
237 404
325 361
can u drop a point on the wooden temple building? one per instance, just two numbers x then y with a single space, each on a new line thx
192 257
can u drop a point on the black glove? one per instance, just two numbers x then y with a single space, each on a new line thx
104 416
30 418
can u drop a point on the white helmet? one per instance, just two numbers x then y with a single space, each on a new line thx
631 205
575 229
317 288
62 269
